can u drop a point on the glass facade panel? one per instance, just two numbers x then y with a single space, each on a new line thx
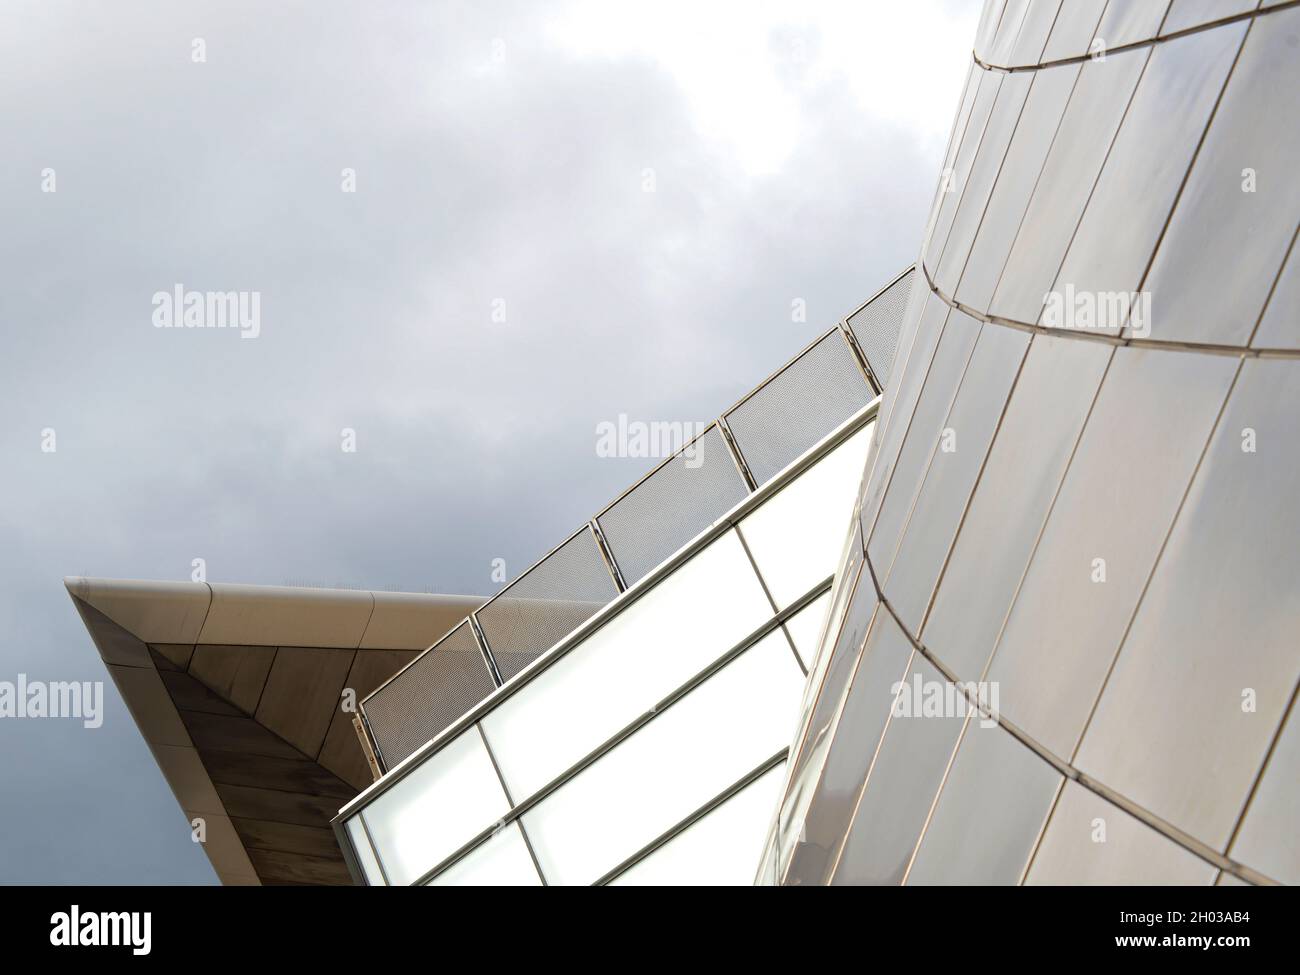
845 580
1209 663
819 804
688 754
797 536
501 861
721 849
805 628
980 271
627 666
1089 842
989 815
1087 128
1033 446
441 805
1142 176
972 421
365 854
1222 250
1117 502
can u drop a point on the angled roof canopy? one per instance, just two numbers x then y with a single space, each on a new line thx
238 690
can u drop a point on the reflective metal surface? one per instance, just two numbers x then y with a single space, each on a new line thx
1090 122
1089 841
1117 502
1223 247
820 804
989 815
1106 523
1210 661
1144 171
1052 400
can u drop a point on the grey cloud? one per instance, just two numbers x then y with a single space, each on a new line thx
476 181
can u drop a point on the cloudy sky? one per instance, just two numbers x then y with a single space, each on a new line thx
502 155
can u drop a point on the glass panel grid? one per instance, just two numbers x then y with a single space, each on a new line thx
659 642
722 848
436 809
668 768
797 536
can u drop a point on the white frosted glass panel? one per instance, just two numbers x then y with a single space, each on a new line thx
798 536
686 756
629 665
441 805
722 849
502 861
365 855
805 628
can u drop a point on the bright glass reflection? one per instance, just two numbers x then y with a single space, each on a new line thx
805 628
686 756
722 849
501 861
622 670
797 537
442 804
365 855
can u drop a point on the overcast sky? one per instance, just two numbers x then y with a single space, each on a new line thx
501 156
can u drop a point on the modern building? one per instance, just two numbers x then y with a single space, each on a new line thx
1090 511
697 594
994 583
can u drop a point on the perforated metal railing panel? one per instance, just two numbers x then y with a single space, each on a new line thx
674 504
546 603
437 688
875 325
802 403
789 413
